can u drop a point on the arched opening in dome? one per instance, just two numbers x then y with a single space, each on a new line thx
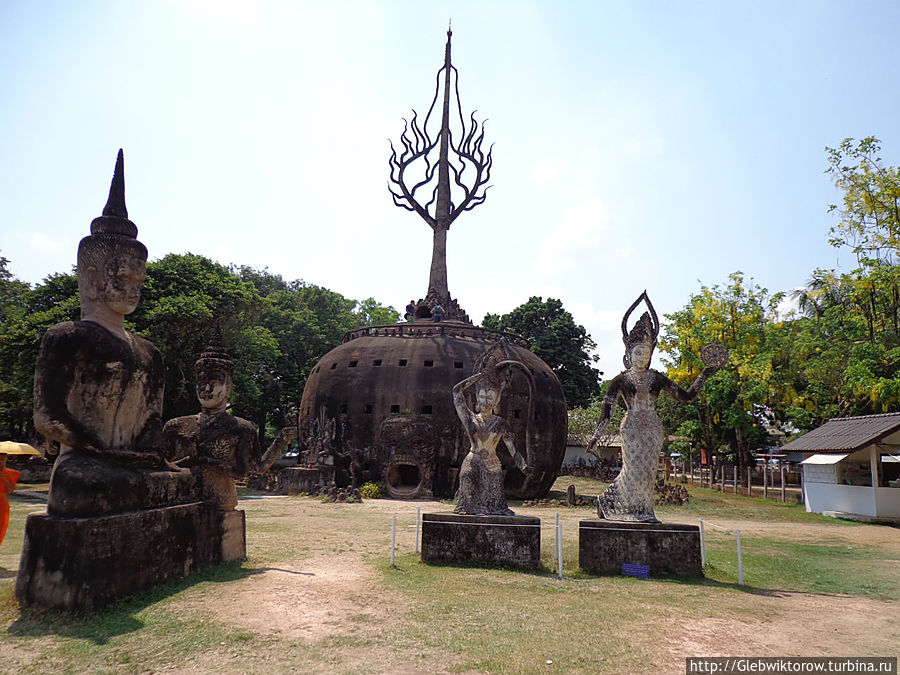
404 479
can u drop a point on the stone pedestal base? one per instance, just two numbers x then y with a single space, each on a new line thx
293 480
487 540
85 564
668 549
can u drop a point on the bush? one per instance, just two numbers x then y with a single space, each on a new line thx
370 491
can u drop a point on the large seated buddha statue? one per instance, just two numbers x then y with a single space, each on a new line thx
98 388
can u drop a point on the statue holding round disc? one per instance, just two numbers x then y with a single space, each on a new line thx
630 496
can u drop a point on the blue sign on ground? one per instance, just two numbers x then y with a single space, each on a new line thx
642 571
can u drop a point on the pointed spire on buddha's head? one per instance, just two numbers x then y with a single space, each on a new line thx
104 253
115 214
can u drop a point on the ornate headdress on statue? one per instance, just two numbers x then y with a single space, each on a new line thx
645 331
113 229
488 366
215 356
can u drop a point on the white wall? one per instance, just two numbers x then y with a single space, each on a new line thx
866 501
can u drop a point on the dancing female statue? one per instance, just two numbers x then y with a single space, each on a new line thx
481 474
630 496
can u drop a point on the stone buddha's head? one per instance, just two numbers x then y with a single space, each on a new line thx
215 376
111 261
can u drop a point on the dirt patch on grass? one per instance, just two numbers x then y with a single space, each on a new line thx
313 600
789 624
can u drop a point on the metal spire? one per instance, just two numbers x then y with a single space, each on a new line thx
461 171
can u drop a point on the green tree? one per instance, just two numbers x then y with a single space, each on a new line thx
25 316
555 337
741 316
369 312
12 292
183 299
870 209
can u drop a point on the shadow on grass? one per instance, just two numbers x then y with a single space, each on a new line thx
545 571
121 618
541 571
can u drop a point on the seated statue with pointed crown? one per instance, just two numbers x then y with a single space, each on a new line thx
220 447
98 388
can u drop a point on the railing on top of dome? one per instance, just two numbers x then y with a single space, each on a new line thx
429 329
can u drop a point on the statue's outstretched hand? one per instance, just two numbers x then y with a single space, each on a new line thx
598 434
522 466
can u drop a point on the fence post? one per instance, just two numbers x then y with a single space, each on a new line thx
722 477
393 538
734 483
749 481
783 499
740 562
558 548
702 545
418 510
766 479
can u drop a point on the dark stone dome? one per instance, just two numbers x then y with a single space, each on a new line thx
389 389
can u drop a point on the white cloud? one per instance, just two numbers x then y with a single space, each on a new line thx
41 243
578 231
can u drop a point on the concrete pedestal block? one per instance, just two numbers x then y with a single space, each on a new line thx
485 540
293 480
85 564
234 535
669 549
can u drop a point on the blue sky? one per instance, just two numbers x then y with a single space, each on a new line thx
638 144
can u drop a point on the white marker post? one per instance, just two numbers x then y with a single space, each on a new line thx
418 510
783 496
558 548
393 538
702 545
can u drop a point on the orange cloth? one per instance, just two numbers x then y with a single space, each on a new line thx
13 476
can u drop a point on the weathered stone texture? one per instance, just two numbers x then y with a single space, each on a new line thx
485 540
84 564
83 485
381 373
669 549
292 480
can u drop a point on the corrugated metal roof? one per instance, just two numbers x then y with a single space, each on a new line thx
846 433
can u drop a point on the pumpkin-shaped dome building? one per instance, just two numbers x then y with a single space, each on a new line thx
389 390
380 406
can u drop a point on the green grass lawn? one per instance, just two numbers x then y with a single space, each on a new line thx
423 618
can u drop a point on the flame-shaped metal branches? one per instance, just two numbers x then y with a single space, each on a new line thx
470 165
423 166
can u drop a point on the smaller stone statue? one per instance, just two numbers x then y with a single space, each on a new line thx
630 496
218 446
481 474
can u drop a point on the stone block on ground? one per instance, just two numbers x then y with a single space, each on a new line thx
84 564
482 540
669 549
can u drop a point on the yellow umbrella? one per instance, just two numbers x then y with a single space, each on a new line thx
14 448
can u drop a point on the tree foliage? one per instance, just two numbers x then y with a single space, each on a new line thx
870 209
555 337
276 332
